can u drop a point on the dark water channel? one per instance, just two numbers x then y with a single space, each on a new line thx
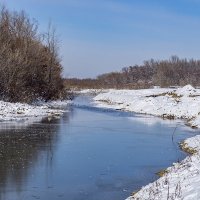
88 154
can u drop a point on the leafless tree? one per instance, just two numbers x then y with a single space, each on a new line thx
29 63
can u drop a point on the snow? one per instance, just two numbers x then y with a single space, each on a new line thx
182 103
186 91
182 180
91 91
22 112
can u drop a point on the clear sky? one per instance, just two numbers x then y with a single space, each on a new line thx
98 36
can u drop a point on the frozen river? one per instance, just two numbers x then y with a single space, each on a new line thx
88 154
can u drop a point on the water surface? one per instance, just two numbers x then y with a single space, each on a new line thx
88 154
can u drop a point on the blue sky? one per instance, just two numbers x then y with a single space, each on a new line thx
98 36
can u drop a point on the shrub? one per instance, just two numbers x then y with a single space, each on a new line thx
29 63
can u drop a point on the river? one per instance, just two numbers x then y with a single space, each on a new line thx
88 154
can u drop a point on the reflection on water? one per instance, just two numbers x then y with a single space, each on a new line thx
85 155
21 150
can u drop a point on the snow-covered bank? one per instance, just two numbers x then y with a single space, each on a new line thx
182 180
91 91
181 103
20 111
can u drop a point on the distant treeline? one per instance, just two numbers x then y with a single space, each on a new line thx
29 62
172 72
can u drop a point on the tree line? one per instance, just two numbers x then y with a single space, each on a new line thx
163 73
29 62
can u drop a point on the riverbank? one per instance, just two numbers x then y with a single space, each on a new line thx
182 180
21 111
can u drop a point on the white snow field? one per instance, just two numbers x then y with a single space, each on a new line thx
182 180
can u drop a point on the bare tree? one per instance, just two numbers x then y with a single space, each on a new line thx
29 63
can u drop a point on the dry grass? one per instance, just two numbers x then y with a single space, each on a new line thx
184 146
194 95
173 95
157 95
162 172
166 116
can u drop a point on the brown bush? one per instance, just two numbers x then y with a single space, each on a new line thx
29 64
